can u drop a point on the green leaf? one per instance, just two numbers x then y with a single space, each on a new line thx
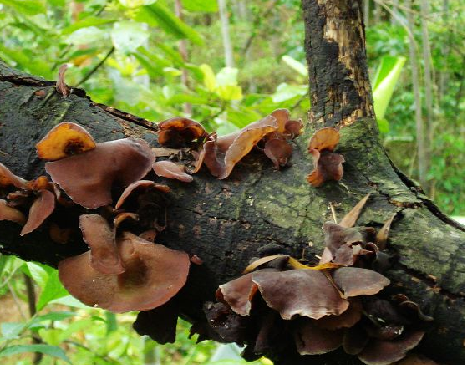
209 77
54 316
70 301
11 330
53 290
25 7
85 23
54 351
186 98
296 65
241 118
383 125
37 272
384 83
25 61
207 6
158 15
285 92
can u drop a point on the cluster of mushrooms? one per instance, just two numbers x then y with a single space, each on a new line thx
279 302
106 195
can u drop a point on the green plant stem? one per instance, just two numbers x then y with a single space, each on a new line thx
95 69
31 303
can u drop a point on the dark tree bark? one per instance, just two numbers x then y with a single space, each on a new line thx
258 210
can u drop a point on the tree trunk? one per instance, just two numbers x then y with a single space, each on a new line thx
226 34
258 210
428 86
420 127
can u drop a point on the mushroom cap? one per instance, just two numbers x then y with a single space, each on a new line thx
172 170
354 281
89 177
279 151
179 131
104 256
8 213
41 208
313 340
8 178
327 166
378 352
324 139
306 293
154 274
238 293
64 140
141 184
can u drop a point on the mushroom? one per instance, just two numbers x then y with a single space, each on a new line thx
41 208
327 165
7 178
8 213
170 170
238 294
153 275
306 293
88 177
279 151
354 281
180 132
313 340
64 140
104 256
378 352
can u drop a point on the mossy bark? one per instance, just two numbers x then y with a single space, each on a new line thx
258 210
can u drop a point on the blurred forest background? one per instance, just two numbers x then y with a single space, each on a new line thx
224 64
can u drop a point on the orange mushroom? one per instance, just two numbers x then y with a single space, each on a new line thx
180 132
64 140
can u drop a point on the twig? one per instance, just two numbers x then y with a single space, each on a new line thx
333 211
94 70
31 303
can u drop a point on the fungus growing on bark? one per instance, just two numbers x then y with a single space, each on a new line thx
8 213
88 178
378 352
100 238
64 140
238 294
171 170
278 151
153 274
354 281
36 191
180 132
311 339
140 185
306 293
327 164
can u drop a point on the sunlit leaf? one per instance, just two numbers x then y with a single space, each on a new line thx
25 7
127 36
227 77
11 330
384 83
53 290
207 6
296 65
285 92
209 77
229 92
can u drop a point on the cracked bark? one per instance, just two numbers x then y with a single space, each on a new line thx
260 211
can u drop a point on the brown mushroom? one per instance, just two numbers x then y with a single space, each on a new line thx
313 340
354 281
8 213
171 170
324 139
180 132
41 208
139 185
279 151
88 177
153 274
378 352
306 293
7 178
238 293
64 140
104 256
